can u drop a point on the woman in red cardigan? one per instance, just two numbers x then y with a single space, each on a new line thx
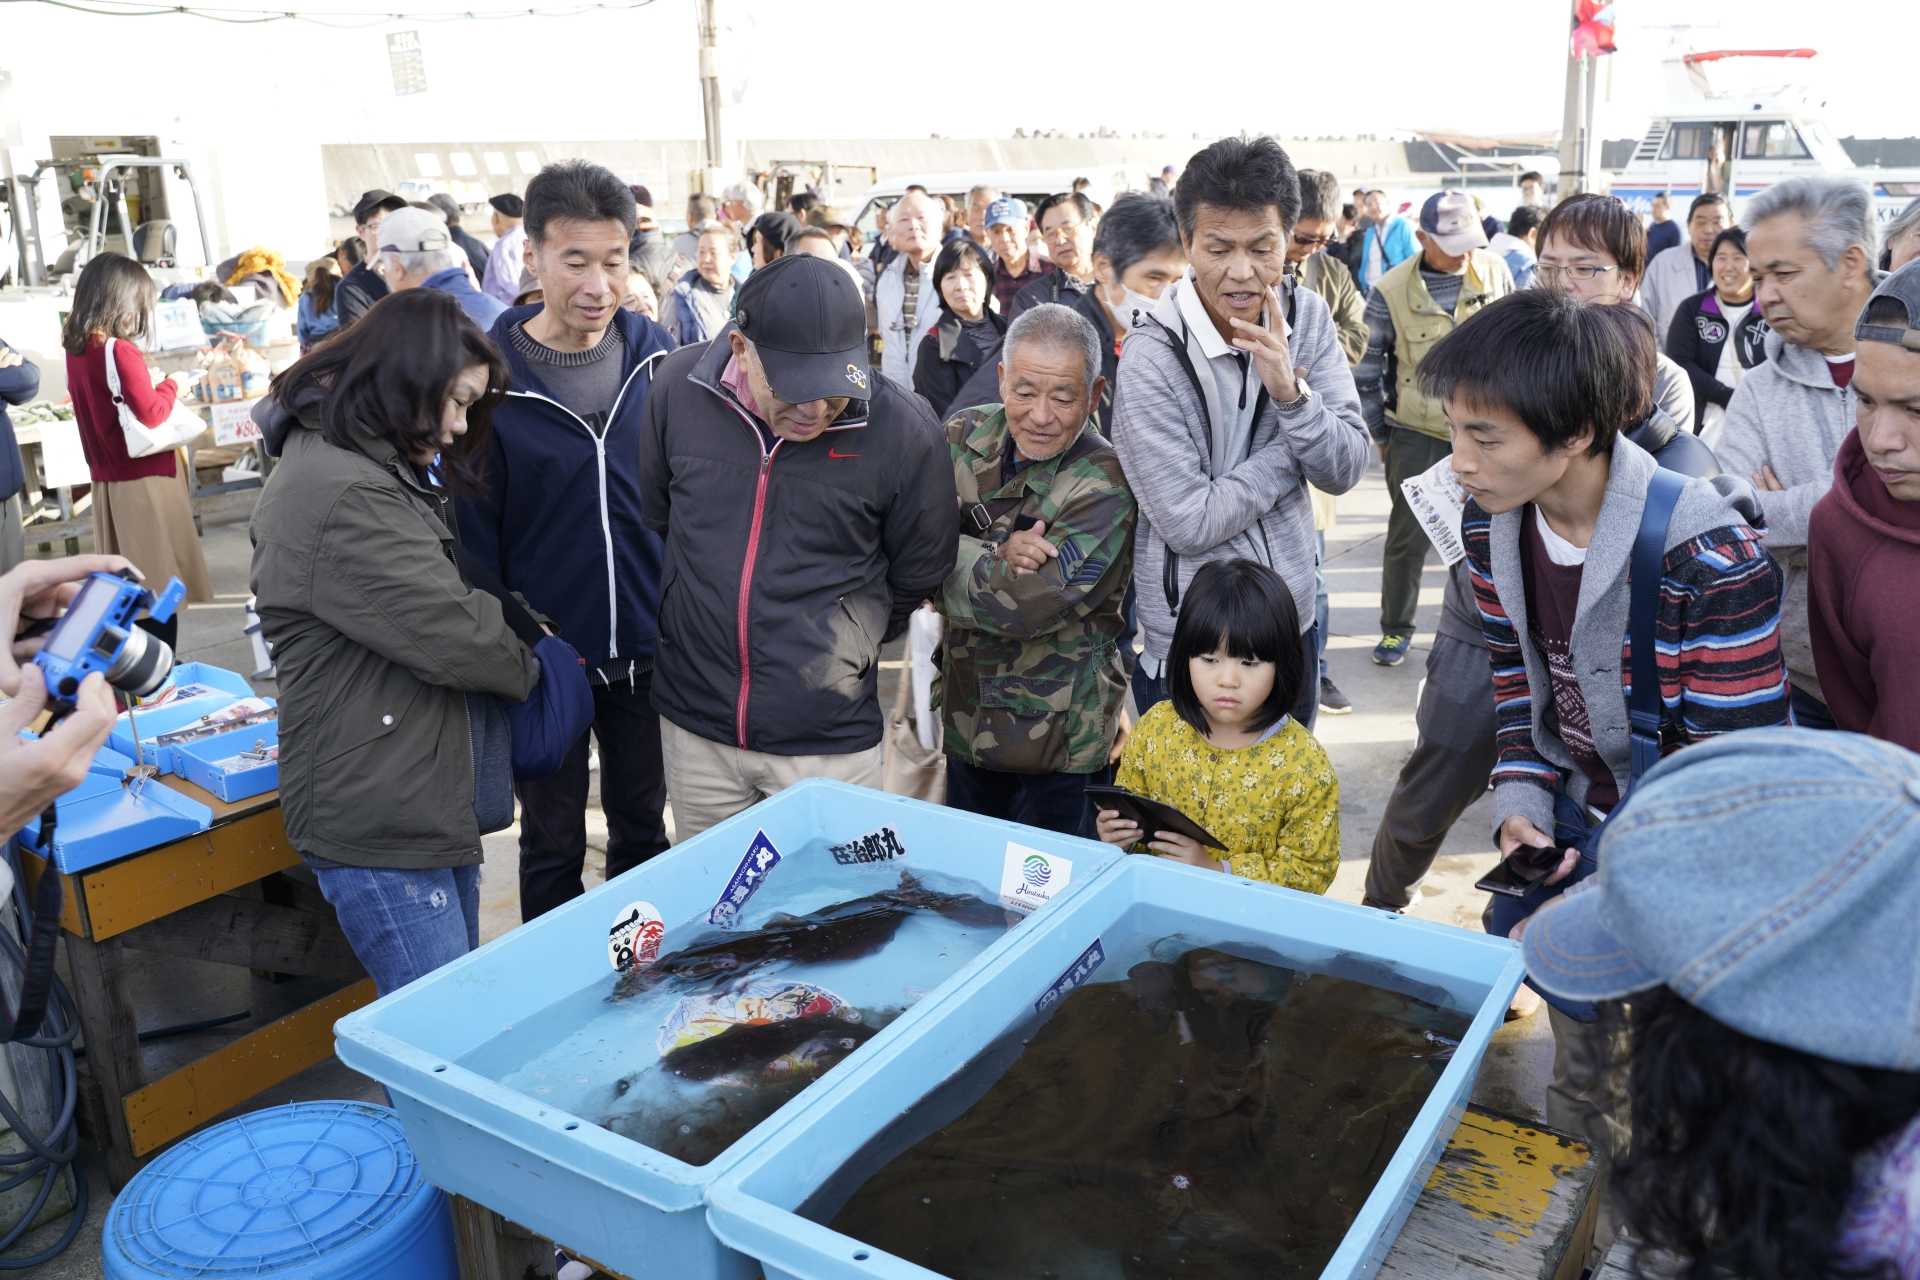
140 505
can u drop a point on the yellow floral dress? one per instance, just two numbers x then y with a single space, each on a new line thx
1276 804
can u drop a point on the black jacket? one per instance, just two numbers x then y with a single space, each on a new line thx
476 252
354 296
951 354
787 564
1055 286
1696 340
18 384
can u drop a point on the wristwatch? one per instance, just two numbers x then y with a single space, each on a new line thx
1306 394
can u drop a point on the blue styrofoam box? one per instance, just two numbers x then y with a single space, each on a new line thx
438 1045
307 1191
196 761
1128 909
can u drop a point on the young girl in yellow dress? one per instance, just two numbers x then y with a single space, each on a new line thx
1223 750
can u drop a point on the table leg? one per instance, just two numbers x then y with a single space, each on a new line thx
110 1025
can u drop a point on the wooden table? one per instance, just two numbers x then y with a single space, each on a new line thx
218 896
1507 1200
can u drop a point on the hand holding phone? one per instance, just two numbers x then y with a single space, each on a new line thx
1517 873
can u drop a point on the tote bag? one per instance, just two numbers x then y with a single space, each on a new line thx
182 425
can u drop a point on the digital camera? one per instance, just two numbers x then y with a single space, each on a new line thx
97 633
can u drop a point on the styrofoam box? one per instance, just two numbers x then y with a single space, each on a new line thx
434 1044
1133 905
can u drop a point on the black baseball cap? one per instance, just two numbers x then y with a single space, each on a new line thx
375 201
806 321
509 205
1903 286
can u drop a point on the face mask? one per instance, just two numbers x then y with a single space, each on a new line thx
1131 307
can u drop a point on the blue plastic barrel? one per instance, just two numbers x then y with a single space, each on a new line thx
314 1190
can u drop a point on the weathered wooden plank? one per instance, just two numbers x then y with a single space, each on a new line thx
236 930
125 895
110 1027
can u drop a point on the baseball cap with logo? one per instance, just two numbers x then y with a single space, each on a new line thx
1007 212
1903 286
375 201
1767 878
806 321
1451 221
411 230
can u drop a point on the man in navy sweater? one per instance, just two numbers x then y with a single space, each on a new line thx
560 522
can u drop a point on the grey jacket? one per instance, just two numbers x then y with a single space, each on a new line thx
378 640
1601 624
1259 509
1788 415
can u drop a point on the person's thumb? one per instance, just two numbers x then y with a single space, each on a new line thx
26 705
1039 529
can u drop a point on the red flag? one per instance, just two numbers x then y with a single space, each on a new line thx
1592 28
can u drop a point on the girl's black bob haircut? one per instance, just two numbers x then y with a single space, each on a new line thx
1243 607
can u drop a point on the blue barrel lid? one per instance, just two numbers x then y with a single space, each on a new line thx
312 1188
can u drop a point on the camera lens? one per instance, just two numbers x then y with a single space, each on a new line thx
142 665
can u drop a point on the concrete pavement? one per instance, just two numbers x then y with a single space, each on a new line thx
1367 748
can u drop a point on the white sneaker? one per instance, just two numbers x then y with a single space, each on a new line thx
566 1268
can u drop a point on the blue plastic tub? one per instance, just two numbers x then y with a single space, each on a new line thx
310 1191
206 689
476 1055
215 763
1096 937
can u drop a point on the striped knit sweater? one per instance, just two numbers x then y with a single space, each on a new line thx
1716 633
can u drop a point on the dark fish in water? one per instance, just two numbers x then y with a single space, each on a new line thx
840 931
789 1048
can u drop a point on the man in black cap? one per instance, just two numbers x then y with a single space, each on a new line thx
470 244
808 508
509 256
363 287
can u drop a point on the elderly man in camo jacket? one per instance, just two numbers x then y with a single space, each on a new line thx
1033 679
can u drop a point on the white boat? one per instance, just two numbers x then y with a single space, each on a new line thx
1742 140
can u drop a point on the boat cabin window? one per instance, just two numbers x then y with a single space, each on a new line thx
1771 140
1689 142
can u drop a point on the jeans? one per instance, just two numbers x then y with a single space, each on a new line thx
1053 801
403 924
1147 690
1322 609
633 795
1405 555
1809 712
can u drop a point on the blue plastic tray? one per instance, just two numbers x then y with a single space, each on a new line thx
1128 909
195 761
440 1044
224 688
104 819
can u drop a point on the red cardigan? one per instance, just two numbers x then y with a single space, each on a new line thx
99 419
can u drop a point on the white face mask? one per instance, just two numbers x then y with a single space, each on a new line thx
1131 307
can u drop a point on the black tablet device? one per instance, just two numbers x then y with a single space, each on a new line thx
1151 815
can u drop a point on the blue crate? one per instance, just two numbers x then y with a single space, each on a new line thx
1130 907
223 689
196 761
438 1044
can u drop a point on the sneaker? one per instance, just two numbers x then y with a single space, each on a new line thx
1332 701
567 1267
1392 650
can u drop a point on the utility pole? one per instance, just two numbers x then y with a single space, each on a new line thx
1576 126
714 158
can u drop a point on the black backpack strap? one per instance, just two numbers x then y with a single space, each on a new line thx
1643 589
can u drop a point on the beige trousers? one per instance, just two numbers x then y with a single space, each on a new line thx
709 782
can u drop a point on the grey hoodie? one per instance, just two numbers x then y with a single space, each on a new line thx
1193 511
1788 415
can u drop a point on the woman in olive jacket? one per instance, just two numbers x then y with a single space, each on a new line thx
392 669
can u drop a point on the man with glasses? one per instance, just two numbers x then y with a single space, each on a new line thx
1415 305
1068 222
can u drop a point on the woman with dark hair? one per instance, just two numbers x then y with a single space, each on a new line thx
1718 335
1223 748
968 335
392 668
768 235
1754 905
140 505
315 319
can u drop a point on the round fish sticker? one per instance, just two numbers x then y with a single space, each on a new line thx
633 941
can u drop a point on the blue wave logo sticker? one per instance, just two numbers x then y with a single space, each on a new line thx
1036 872
746 880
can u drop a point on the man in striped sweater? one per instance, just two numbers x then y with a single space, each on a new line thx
1538 389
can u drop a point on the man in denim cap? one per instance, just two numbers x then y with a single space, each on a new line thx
1756 898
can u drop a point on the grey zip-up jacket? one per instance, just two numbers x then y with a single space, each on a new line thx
1258 509
1788 415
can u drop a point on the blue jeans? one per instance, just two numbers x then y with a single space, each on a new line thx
403 924
1148 690
1322 611
1573 828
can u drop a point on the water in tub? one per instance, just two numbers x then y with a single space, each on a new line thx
707 1031
1207 1115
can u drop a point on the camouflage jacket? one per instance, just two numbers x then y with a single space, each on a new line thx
1031 680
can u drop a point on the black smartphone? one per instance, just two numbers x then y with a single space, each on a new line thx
1151 815
1520 871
